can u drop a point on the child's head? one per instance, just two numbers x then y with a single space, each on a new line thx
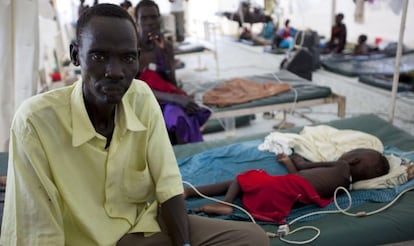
366 163
287 23
362 38
268 18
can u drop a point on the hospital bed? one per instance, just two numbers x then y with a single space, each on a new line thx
304 94
357 67
215 161
387 52
199 49
275 51
394 224
385 82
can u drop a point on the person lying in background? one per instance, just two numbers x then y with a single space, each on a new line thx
182 115
270 198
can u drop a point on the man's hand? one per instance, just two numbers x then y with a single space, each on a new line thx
158 39
187 102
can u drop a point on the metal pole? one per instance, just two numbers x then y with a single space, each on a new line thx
333 13
397 62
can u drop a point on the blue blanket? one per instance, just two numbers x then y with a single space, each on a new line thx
224 163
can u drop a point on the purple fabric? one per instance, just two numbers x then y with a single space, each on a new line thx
184 126
161 66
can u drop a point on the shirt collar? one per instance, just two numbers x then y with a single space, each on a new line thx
83 129
127 117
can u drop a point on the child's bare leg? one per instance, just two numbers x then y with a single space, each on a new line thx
233 191
215 208
219 208
208 190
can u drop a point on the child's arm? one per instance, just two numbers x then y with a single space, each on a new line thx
301 163
285 160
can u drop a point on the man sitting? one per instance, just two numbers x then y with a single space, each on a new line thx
182 115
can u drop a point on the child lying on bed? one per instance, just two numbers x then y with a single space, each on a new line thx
270 198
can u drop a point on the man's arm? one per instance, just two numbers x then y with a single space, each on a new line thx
32 210
166 177
174 213
184 101
166 50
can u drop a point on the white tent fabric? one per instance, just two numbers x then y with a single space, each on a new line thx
18 59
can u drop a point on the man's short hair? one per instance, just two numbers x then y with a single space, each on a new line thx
106 10
146 3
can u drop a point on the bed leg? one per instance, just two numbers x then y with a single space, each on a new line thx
341 106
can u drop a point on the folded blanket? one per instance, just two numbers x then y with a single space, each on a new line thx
325 143
322 143
238 90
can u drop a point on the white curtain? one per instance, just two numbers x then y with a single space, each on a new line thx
19 41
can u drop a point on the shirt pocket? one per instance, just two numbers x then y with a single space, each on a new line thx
137 185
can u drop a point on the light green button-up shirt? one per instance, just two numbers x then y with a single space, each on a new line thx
65 188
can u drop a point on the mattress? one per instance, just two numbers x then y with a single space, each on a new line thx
215 125
374 55
365 67
276 51
250 42
348 57
189 48
395 224
303 90
385 82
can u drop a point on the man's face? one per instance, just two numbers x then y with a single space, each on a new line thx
338 19
108 56
148 20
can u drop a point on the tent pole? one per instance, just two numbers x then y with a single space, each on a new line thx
333 13
397 62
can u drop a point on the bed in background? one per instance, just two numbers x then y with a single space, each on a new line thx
395 224
355 67
275 51
385 82
305 94
347 56
197 48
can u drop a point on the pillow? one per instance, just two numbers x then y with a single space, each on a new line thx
398 175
